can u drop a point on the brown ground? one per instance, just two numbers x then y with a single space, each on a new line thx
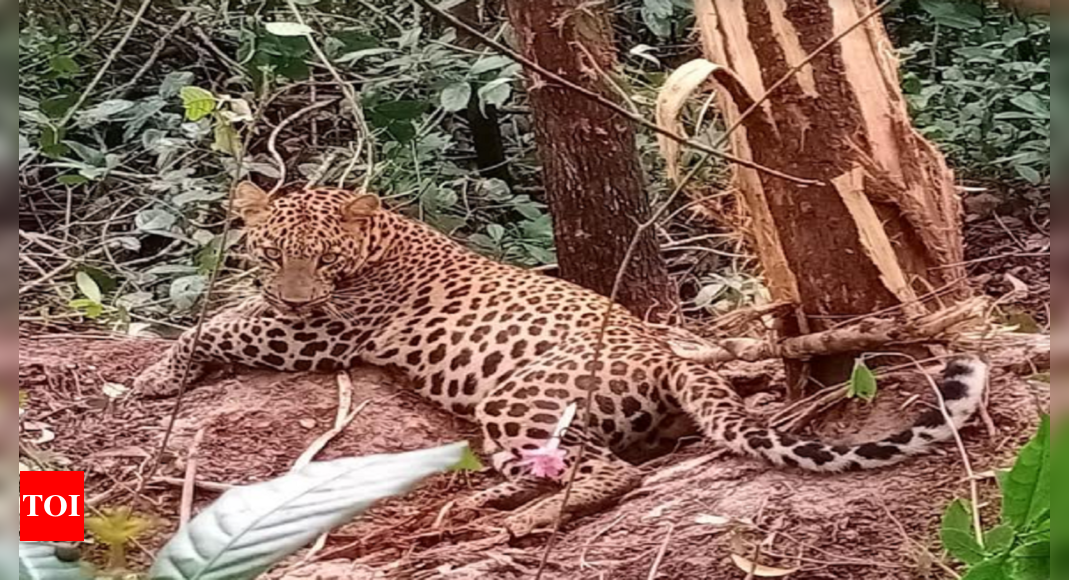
868 526
257 424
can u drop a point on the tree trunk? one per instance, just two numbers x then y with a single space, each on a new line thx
885 230
592 172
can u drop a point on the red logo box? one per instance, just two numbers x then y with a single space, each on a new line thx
51 506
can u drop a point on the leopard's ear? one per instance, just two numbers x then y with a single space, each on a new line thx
361 208
251 203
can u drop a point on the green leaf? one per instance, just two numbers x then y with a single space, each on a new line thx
1027 490
1032 103
38 561
72 180
227 139
958 534
863 384
496 92
469 462
57 107
401 110
289 29
198 103
185 291
103 112
173 84
952 14
456 97
994 569
155 220
89 288
251 529
490 63
999 540
64 65
1028 174
1031 562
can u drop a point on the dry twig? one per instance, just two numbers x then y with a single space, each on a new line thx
189 486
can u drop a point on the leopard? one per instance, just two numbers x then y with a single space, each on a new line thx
344 281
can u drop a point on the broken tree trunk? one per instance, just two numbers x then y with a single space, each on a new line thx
592 172
884 232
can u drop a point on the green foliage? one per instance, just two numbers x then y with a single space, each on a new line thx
863 384
1018 549
978 81
469 463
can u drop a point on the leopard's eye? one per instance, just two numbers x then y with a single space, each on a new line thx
273 254
328 259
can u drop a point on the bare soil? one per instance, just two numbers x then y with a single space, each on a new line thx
867 526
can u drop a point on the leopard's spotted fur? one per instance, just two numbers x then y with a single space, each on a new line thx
347 282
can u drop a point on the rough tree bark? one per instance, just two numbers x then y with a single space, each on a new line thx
885 231
592 172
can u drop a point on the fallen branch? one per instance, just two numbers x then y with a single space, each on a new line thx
867 335
189 487
341 422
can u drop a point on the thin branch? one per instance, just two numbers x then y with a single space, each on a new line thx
202 318
115 52
347 90
189 487
161 44
605 102
272 142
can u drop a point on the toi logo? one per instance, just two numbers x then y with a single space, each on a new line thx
51 506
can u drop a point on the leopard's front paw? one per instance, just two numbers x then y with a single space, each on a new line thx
157 382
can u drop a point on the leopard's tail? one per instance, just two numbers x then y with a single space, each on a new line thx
723 418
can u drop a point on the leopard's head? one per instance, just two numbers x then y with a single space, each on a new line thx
306 242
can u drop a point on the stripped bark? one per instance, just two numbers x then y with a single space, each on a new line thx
884 231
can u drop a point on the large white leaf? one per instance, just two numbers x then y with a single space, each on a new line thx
39 562
251 529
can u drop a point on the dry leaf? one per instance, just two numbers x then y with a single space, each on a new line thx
716 521
760 571
47 436
1020 289
659 511
679 88
115 391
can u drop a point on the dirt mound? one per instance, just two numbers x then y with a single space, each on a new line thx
685 520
